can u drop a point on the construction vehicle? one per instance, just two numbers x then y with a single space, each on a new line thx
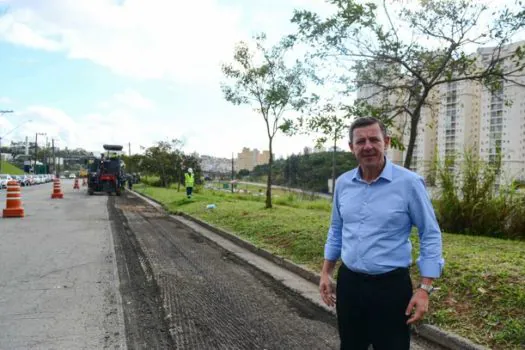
106 174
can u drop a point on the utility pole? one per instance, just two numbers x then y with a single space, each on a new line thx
129 149
2 112
45 156
36 148
233 173
54 158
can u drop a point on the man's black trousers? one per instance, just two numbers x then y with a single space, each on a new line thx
371 309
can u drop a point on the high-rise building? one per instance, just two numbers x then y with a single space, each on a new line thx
465 116
502 120
263 157
458 121
249 159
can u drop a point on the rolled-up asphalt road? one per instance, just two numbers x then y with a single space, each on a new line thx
92 272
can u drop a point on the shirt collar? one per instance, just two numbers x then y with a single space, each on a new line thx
385 174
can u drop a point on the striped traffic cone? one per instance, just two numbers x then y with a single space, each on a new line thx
13 201
57 191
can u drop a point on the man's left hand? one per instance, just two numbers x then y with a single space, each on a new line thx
420 302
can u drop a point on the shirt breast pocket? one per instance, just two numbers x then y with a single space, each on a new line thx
397 219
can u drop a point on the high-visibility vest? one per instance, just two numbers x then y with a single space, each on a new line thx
188 180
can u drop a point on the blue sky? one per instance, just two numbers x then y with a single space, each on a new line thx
105 71
89 72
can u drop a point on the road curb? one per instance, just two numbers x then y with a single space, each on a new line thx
429 332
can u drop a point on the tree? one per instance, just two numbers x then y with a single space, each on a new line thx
307 172
405 59
133 162
243 173
261 78
332 123
164 160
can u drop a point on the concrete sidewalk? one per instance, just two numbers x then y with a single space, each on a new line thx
58 279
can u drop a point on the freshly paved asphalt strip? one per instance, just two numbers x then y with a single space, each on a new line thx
58 282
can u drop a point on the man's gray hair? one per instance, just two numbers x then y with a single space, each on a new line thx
366 121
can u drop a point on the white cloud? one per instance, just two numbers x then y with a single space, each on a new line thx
133 99
88 131
183 41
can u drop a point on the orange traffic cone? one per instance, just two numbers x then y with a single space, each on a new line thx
13 201
76 186
57 191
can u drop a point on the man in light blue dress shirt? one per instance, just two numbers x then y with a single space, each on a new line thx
374 209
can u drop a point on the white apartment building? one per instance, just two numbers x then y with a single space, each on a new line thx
458 120
502 121
466 116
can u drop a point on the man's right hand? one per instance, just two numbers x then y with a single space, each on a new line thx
327 291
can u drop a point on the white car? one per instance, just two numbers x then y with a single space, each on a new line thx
4 178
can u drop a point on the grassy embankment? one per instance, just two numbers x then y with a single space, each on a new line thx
10 169
482 295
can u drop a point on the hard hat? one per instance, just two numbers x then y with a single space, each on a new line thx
190 170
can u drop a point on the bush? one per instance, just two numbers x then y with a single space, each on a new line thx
471 201
151 181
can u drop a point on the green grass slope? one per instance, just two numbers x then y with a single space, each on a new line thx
10 169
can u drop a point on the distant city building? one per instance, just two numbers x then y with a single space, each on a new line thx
249 159
210 164
320 149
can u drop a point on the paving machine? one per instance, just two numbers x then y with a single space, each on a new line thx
106 174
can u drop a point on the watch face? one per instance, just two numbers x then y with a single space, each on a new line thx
426 288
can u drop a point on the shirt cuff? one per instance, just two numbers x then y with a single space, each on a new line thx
331 253
430 268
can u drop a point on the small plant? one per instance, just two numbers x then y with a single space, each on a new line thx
472 202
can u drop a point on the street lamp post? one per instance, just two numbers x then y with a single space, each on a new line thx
36 148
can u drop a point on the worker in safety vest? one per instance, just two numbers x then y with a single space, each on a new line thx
189 180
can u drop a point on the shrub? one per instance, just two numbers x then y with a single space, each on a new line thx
472 202
151 181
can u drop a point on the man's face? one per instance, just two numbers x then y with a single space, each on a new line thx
369 145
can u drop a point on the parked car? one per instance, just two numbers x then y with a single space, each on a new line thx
22 180
4 178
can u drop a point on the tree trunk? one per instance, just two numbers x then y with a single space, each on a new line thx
414 122
162 176
179 178
269 182
333 165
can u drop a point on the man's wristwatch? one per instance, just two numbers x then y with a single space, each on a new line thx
426 287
